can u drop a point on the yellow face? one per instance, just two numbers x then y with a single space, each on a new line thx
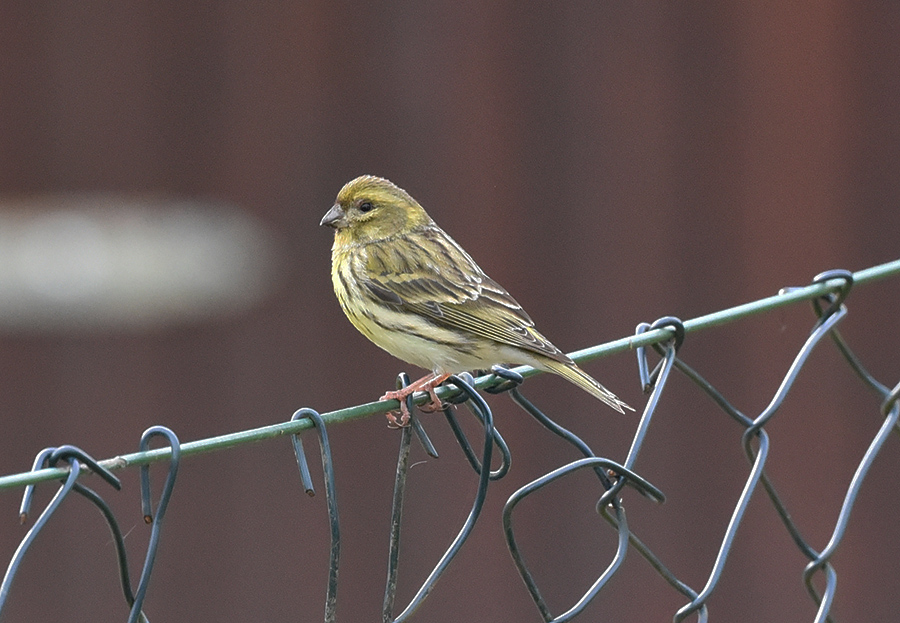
371 208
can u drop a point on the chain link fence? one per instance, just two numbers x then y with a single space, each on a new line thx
618 477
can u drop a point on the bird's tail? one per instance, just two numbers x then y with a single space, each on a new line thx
585 381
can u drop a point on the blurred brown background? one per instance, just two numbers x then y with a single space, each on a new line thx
609 163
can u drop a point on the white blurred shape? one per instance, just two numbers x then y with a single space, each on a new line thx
115 262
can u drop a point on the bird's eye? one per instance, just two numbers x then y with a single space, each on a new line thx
366 207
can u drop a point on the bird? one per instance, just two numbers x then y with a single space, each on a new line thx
405 284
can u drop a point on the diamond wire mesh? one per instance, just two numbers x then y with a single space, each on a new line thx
828 294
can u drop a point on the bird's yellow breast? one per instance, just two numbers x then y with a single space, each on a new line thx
407 336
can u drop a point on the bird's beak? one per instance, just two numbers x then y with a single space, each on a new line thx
335 217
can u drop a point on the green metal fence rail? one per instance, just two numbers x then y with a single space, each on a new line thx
262 433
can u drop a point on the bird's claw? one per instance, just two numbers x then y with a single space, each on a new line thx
436 403
427 384
394 421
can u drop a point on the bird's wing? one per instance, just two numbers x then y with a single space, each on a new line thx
428 273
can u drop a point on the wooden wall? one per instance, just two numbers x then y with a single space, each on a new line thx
610 163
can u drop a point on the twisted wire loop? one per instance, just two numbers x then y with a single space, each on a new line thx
76 458
464 385
605 469
155 520
330 498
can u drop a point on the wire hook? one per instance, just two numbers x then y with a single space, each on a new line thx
154 520
75 457
648 379
331 499
61 493
835 300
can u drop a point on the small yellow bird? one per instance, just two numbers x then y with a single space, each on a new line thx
411 289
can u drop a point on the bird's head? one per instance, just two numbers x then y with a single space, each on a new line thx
372 208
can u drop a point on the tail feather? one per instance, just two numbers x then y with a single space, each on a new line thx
585 381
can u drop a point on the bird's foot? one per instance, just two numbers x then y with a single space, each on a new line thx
436 403
427 383
402 421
